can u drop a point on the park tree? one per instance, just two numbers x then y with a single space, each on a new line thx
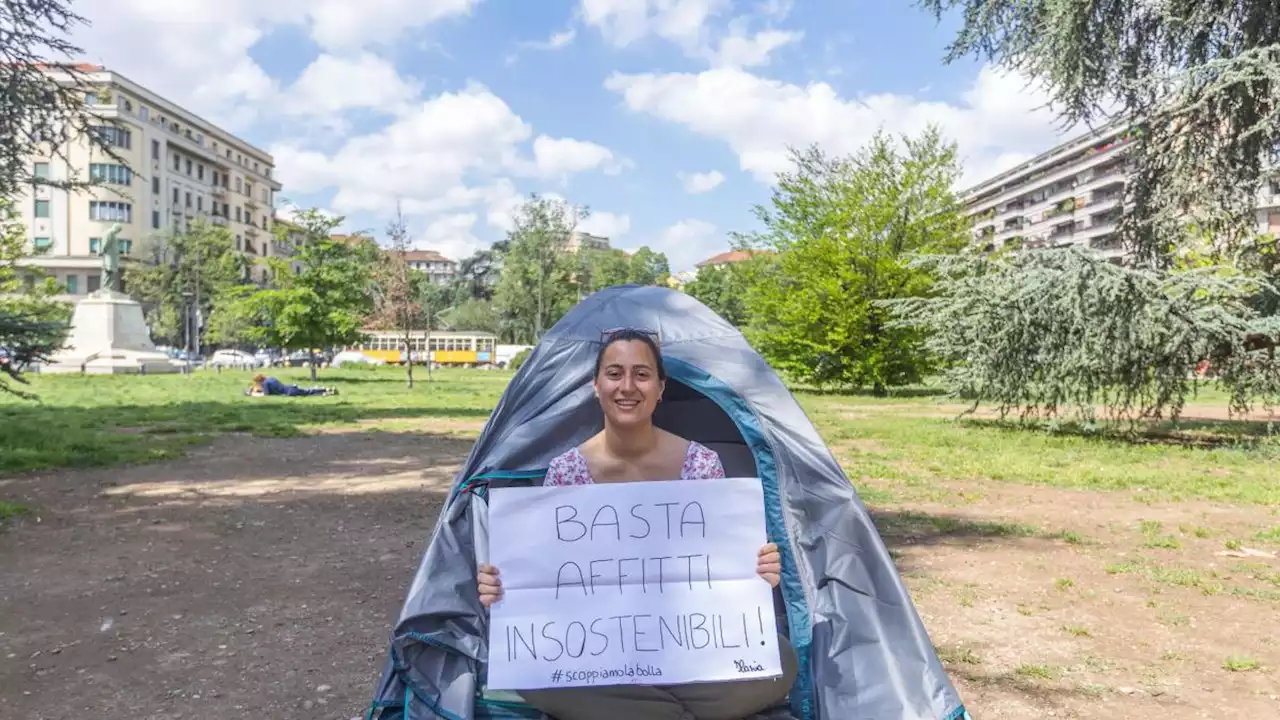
33 325
536 286
400 301
477 276
648 267
323 305
1200 79
1200 83
40 115
844 230
723 289
181 277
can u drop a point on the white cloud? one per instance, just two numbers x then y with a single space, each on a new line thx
998 119
558 157
196 52
624 22
741 50
450 235
687 243
348 24
606 224
331 84
691 25
698 183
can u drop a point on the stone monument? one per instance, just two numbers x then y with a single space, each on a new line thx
108 331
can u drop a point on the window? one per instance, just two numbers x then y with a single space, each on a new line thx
41 170
143 112
175 196
95 245
177 163
264 196
126 246
228 153
155 186
226 210
111 135
90 98
255 167
93 282
188 167
155 219
110 211
200 139
215 178
42 244
188 199
110 173
238 185
239 244
200 172
248 189
200 204
42 208
238 218
73 284
264 223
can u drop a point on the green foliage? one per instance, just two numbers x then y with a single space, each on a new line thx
600 269
520 358
1062 331
723 289
1201 79
323 306
39 116
844 230
33 325
202 262
472 315
536 287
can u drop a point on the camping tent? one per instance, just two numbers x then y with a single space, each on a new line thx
864 653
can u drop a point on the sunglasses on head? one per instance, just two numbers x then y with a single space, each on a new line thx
607 336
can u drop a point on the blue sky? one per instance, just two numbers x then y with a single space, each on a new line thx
667 118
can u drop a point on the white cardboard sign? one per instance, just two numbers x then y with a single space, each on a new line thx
650 583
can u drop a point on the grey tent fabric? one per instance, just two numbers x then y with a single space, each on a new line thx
865 654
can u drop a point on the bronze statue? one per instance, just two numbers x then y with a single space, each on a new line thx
110 253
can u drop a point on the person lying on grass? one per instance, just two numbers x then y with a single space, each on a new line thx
263 385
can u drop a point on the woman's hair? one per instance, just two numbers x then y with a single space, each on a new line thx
259 379
647 338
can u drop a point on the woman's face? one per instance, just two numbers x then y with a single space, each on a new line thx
627 384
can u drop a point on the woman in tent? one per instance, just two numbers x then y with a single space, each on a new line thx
629 382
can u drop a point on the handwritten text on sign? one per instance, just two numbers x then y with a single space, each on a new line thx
630 583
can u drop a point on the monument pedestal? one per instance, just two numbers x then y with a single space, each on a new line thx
109 336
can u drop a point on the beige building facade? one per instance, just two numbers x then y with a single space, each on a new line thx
1072 194
173 167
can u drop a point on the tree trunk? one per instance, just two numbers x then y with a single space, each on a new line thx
312 354
408 359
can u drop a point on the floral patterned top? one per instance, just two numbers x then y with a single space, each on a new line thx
570 468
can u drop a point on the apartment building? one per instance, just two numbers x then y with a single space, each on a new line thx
173 168
579 240
1071 194
439 268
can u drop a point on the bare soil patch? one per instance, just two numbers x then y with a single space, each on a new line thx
255 578
1075 604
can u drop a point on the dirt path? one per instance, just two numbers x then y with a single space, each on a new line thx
255 578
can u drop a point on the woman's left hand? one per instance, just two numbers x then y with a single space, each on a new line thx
769 564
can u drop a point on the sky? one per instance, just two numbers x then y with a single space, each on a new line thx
667 119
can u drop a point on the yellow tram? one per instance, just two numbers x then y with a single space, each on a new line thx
455 349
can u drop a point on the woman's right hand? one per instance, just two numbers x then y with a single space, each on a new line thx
490 585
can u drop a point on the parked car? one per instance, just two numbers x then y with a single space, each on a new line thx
354 357
234 359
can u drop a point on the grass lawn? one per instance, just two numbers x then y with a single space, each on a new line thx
101 420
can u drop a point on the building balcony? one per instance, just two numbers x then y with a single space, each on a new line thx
218 191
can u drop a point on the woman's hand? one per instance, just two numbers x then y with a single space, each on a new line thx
769 564
490 585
